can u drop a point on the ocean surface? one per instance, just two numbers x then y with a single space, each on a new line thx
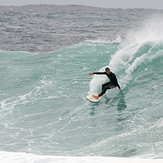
47 52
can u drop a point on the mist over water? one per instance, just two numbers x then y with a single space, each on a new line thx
43 108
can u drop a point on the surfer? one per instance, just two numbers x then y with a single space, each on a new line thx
109 85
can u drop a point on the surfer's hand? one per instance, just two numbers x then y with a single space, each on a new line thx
90 73
121 89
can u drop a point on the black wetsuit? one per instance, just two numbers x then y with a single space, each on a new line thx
113 82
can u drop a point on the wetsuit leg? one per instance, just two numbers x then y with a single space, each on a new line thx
109 86
104 85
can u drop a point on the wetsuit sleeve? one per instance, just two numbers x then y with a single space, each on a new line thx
118 86
116 82
99 73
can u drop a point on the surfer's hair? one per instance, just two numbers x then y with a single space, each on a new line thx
107 68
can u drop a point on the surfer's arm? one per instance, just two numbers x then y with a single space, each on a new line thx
116 82
97 73
119 87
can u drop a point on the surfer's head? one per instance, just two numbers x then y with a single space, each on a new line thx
107 70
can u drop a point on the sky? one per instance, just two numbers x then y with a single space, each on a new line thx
153 4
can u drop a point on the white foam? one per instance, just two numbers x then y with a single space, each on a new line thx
118 39
24 97
150 31
11 157
96 82
8 104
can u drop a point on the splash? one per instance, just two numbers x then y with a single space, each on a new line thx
141 46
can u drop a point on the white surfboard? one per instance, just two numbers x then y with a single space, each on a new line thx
92 99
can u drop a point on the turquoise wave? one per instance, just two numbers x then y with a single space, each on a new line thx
43 109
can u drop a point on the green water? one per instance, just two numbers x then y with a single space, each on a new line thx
44 110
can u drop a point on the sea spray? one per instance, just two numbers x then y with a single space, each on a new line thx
140 45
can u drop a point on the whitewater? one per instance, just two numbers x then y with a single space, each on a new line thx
46 54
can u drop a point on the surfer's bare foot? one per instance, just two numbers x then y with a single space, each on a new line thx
96 96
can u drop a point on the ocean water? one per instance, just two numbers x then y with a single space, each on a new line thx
46 55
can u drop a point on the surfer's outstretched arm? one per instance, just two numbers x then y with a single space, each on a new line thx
98 73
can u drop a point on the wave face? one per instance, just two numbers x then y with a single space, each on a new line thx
43 109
